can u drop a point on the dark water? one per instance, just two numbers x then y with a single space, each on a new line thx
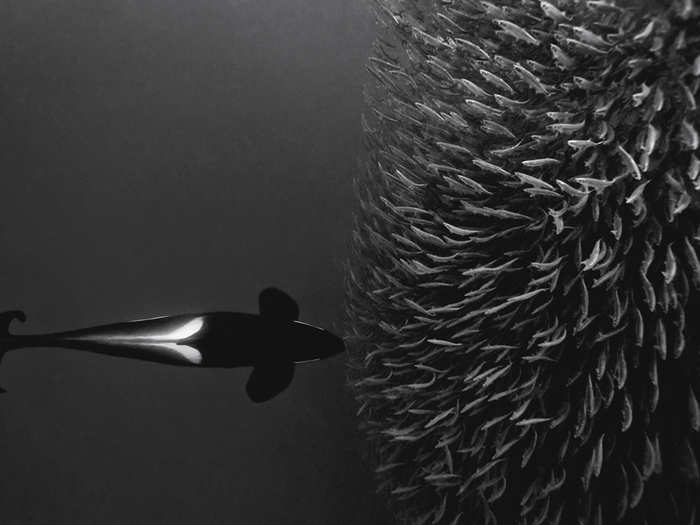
165 156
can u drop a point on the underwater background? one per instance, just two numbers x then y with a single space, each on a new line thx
159 157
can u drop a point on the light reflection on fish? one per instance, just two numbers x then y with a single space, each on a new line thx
272 342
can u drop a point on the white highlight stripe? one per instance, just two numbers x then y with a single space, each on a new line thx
187 352
183 332
166 341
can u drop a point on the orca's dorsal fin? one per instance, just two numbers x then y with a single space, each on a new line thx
276 304
269 379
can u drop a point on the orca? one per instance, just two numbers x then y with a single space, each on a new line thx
273 342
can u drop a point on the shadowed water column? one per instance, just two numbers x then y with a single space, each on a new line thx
526 270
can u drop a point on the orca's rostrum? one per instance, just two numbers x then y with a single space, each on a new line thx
272 342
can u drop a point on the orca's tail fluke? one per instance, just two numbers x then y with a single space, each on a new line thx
6 319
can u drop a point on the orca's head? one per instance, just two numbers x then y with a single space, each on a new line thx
310 343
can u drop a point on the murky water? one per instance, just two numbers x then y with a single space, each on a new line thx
161 157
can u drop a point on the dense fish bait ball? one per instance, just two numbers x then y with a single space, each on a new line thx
523 295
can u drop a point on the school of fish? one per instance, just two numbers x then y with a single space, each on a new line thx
524 290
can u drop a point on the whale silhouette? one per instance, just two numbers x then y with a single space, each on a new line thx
272 342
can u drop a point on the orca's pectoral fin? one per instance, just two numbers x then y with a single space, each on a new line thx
274 303
7 317
268 380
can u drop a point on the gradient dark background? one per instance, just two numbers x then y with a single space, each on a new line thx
168 156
